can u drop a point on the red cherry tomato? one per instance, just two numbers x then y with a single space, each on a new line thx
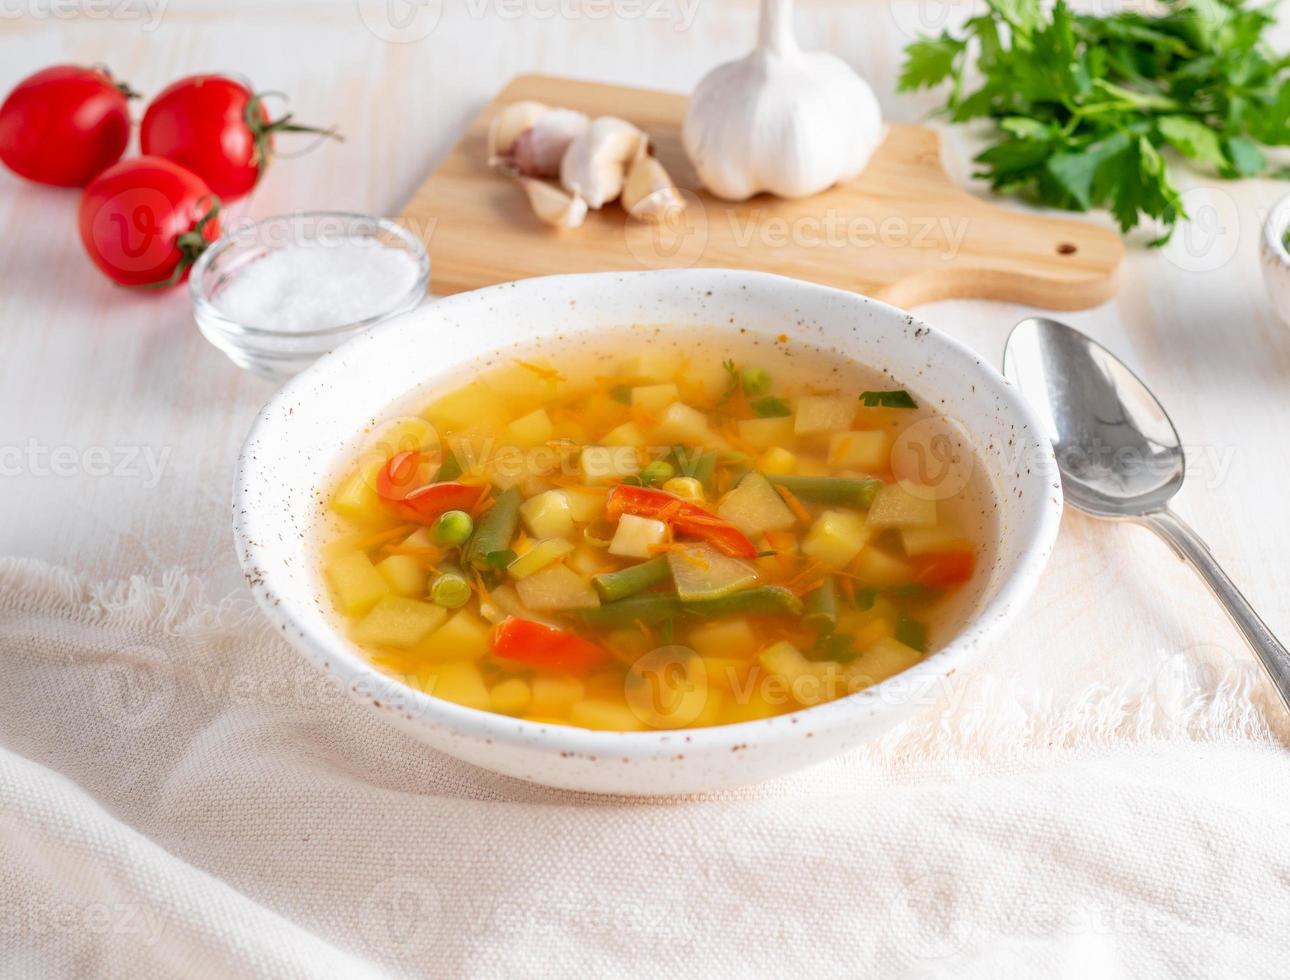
217 128
426 503
145 221
538 645
683 517
399 476
944 568
64 125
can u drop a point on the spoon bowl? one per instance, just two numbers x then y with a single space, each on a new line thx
1120 456
1118 451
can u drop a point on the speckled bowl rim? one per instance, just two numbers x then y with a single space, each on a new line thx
335 654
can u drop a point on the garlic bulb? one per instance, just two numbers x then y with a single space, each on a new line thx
595 165
781 120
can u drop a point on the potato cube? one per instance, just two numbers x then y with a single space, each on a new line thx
530 430
627 434
357 583
723 640
400 435
548 515
601 412
399 622
784 660
754 506
876 567
777 462
654 366
710 713
764 433
461 683
636 537
896 506
705 382
531 383
585 506
554 694
926 540
835 538
511 697
681 423
557 587
586 561
404 574
464 637
652 399
608 464
868 451
884 659
605 715
821 413
725 673
356 497
473 407
761 701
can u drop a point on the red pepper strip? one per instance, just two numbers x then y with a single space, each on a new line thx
684 517
426 503
944 567
538 645
398 477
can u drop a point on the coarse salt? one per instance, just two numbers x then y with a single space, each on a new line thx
315 285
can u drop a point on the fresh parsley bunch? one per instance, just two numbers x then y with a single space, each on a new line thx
1084 104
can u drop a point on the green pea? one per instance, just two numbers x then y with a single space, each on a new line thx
657 472
450 590
451 528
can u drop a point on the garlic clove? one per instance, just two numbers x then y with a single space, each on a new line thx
595 164
505 128
649 193
537 151
553 205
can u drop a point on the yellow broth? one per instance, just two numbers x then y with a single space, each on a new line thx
717 528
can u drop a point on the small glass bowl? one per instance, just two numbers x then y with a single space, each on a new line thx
279 354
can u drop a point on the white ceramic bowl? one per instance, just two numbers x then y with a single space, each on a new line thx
1274 259
301 435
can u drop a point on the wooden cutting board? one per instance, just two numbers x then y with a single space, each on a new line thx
902 232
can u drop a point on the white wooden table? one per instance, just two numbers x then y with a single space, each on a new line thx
99 385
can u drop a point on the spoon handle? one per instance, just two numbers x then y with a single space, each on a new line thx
1191 548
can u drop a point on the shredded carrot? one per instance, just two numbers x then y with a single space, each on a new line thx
795 505
545 373
641 417
417 552
402 531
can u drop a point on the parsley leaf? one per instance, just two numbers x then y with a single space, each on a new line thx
899 398
771 408
1083 105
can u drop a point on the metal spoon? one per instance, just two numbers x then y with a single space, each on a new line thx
1120 457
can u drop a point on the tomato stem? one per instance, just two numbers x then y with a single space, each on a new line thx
263 131
122 87
191 245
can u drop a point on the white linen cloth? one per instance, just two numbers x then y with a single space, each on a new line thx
182 794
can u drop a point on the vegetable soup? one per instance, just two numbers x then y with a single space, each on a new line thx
719 528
